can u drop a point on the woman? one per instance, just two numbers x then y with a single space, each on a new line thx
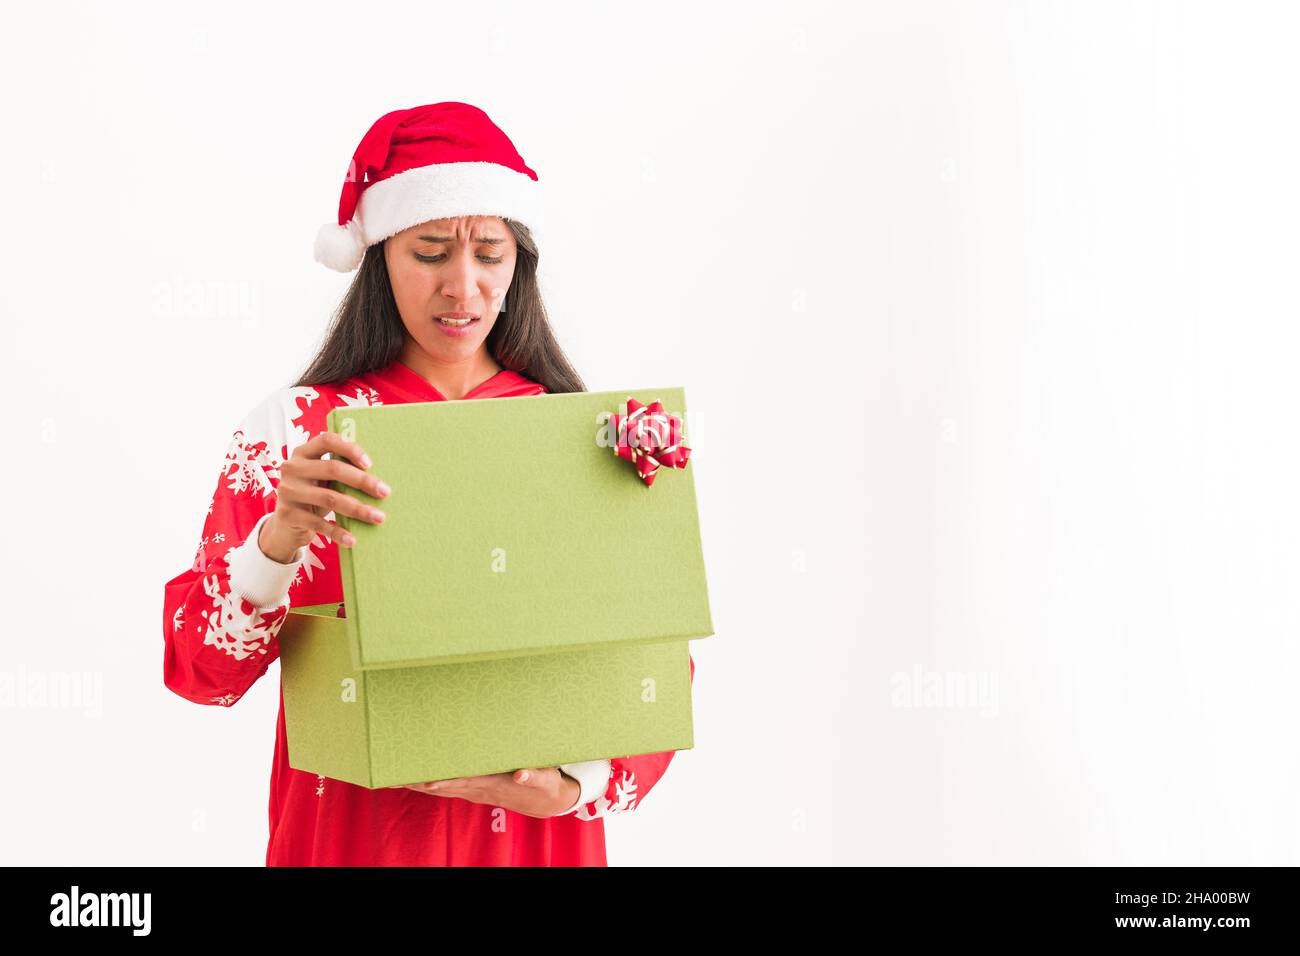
445 306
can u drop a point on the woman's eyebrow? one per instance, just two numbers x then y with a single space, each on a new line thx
489 240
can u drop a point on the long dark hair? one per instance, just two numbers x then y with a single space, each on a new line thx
367 331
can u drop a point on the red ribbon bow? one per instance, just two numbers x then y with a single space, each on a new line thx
650 438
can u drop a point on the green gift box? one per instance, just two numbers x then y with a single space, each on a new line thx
528 600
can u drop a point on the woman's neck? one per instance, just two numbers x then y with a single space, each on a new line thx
452 381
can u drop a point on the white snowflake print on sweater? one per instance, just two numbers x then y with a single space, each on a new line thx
623 800
362 397
236 626
250 466
310 562
257 449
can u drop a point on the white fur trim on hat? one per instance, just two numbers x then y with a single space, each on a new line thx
446 190
340 247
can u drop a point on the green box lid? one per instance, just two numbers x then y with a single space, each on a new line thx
513 528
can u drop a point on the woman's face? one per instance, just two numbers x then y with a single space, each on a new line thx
451 269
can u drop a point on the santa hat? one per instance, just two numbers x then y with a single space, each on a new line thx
427 162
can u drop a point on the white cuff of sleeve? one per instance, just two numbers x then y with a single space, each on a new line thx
592 777
255 577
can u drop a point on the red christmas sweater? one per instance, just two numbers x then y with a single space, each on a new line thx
219 639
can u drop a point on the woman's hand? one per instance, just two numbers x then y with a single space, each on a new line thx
534 792
304 495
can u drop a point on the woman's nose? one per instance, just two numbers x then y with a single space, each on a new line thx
461 279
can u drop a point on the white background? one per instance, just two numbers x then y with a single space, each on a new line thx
986 313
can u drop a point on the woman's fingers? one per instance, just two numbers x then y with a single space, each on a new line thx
326 470
305 492
299 492
335 444
305 523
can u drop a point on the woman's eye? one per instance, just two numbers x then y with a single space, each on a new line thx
438 258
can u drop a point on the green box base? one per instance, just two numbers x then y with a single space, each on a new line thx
382 728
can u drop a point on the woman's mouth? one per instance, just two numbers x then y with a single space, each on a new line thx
455 323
